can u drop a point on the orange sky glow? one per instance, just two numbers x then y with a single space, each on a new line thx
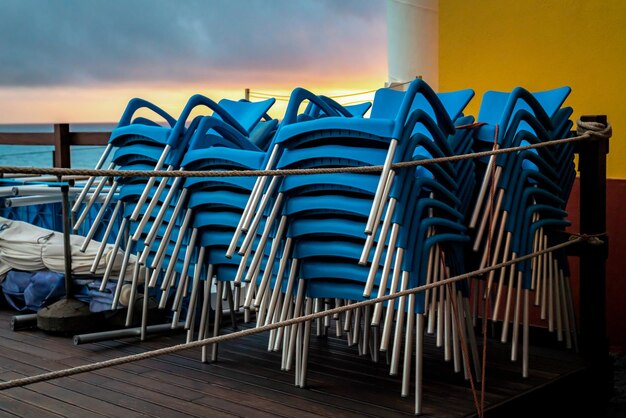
84 104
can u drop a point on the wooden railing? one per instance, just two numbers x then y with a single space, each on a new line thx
61 138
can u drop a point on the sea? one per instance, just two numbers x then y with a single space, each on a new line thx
83 156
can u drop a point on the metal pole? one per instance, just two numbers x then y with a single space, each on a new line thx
66 240
19 322
127 333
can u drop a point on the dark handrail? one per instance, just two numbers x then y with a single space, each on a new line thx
61 138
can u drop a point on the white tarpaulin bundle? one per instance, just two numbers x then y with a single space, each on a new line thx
27 247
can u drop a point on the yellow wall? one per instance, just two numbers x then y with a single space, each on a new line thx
541 44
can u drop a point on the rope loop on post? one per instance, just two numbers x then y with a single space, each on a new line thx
594 129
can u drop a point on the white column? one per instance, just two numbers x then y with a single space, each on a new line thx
413 41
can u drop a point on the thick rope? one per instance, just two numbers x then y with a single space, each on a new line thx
587 131
595 129
253 331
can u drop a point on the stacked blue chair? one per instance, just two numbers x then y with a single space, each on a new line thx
162 238
215 205
326 215
527 210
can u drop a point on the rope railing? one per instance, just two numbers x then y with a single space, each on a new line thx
264 94
586 131
20 382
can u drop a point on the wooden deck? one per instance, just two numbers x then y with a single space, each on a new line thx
247 381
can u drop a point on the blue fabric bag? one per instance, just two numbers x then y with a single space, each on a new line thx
32 290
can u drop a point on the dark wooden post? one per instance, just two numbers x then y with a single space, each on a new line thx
62 145
593 335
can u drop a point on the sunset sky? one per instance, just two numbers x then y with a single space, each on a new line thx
82 60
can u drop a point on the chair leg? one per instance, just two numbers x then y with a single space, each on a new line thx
195 286
326 318
298 352
525 336
496 252
297 312
133 294
277 291
158 219
544 289
105 238
507 306
216 321
89 184
557 301
151 206
434 291
357 327
440 314
305 344
116 247
389 259
457 324
182 284
288 293
279 331
419 362
337 319
472 338
551 289
204 330
535 260
476 292
539 268
366 329
206 304
463 331
400 314
165 290
252 230
516 321
99 215
122 275
144 307
286 337
275 332
505 258
375 348
408 347
447 326
388 323
231 305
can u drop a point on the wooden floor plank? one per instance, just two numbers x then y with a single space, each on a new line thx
42 400
18 408
247 380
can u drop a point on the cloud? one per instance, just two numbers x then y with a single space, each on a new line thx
94 42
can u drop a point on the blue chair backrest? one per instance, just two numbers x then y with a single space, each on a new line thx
494 103
386 103
248 114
